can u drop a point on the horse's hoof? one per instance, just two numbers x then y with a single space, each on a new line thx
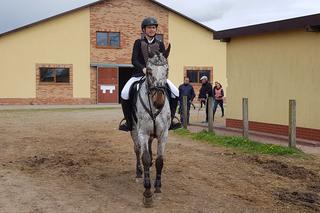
157 190
157 196
139 176
148 201
138 180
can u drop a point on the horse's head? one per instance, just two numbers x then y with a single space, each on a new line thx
157 74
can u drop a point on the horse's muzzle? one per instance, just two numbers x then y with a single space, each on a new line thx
158 96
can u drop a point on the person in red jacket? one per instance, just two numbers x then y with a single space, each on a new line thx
218 95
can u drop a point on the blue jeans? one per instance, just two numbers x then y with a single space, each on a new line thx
215 105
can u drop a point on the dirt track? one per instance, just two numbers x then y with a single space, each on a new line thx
76 161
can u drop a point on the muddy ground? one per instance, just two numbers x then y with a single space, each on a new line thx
76 161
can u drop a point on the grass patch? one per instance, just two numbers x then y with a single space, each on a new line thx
240 143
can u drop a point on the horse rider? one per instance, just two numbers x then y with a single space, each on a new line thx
141 49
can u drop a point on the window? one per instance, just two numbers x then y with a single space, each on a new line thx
102 39
195 75
108 39
158 36
54 75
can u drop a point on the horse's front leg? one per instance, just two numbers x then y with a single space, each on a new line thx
138 164
146 161
137 150
159 161
150 150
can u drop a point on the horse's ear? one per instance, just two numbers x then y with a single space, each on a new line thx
167 51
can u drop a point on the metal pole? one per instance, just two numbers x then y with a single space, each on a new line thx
245 118
292 123
185 111
210 114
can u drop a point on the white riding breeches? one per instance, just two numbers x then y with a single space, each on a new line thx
173 88
126 88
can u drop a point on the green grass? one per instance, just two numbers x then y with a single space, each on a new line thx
239 143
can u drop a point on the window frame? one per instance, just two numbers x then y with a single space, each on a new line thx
52 66
108 40
198 70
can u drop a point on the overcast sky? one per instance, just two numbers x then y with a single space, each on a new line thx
224 14
216 14
15 13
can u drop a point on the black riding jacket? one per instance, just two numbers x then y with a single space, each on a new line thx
205 90
138 60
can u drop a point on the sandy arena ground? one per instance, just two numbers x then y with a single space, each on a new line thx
77 161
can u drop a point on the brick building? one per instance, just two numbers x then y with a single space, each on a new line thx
83 56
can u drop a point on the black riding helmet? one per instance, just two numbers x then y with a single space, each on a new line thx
150 21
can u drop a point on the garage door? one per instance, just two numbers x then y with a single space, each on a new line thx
108 88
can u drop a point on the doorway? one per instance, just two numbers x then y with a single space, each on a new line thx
125 74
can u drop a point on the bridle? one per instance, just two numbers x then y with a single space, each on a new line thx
149 110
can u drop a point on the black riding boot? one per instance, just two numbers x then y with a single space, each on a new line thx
126 108
173 108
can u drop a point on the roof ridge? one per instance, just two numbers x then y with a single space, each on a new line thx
96 2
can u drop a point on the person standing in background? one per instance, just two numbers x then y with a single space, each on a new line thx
204 93
185 89
218 95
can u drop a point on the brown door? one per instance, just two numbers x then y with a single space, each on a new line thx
108 85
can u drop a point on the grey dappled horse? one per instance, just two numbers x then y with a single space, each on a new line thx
153 120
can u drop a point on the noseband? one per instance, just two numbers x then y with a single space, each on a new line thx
157 89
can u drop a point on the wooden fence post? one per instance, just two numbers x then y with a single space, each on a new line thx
245 118
292 123
210 114
185 112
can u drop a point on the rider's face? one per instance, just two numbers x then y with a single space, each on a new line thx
151 31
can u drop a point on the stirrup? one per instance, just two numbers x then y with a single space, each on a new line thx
177 125
124 126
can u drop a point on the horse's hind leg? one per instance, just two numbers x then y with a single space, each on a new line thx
159 164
